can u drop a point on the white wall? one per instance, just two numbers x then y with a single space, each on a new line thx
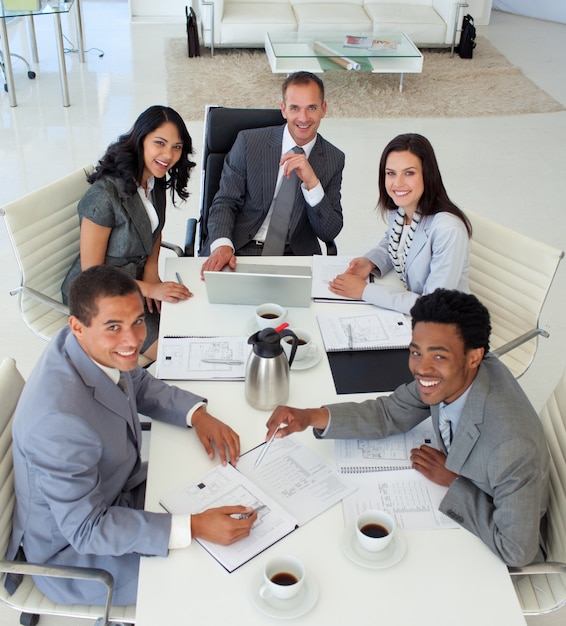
551 10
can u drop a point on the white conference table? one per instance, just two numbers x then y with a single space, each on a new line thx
445 577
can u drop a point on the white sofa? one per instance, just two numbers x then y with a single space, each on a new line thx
243 23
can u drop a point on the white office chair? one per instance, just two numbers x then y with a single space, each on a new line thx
27 598
541 588
44 231
511 274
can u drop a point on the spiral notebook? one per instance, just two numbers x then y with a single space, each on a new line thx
378 329
364 456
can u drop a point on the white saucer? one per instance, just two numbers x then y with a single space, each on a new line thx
307 362
302 603
374 560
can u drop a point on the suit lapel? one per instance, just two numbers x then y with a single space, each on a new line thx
105 392
136 211
467 432
271 155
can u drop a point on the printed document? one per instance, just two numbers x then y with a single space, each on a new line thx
326 268
293 483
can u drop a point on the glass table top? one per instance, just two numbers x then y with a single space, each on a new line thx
18 8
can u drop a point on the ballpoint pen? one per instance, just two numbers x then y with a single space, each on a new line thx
350 339
266 447
246 515
179 279
223 361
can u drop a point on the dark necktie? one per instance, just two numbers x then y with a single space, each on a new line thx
122 384
276 237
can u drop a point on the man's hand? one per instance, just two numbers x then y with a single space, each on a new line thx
299 164
218 525
223 255
431 463
295 420
348 286
212 431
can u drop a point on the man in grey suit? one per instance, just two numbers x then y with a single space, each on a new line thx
242 209
492 457
79 478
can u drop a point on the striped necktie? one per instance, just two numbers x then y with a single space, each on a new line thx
445 427
276 237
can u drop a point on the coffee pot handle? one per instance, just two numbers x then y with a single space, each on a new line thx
290 333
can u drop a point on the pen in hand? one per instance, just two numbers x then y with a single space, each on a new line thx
246 515
179 279
266 447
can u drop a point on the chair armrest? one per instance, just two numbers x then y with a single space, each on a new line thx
190 236
171 246
514 343
37 295
331 249
65 571
548 567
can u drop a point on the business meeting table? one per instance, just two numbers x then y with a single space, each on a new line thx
446 576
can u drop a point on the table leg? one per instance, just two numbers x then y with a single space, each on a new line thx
401 83
8 65
32 39
61 56
80 37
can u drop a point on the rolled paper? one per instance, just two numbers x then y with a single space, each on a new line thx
344 62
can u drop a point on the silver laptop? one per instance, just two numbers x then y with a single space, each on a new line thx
255 284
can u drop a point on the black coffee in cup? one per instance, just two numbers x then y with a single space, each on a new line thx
284 578
269 316
300 342
375 531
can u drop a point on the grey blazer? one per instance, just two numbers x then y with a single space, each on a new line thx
438 257
131 241
498 450
79 479
248 183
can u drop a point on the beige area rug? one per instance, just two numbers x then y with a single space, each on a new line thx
486 85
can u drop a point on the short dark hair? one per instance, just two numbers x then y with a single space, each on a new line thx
465 311
303 78
98 281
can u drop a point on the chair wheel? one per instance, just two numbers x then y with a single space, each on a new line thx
31 75
29 619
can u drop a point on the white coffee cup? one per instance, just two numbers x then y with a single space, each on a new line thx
375 530
270 315
283 578
305 346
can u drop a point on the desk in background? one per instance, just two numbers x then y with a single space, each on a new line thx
54 8
446 576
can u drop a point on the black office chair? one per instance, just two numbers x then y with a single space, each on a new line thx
221 127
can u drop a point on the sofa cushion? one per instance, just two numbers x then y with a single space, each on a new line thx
245 23
333 16
422 24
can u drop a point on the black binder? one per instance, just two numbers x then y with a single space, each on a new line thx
366 371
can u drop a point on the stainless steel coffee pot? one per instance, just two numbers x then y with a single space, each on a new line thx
267 369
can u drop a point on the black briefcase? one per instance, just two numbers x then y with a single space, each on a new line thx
192 33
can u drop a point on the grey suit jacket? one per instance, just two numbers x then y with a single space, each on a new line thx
498 450
248 183
78 473
438 257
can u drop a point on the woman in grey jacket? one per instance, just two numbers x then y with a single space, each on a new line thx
122 215
428 237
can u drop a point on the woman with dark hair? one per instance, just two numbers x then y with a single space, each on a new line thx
122 215
428 237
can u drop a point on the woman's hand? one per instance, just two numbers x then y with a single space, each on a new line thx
156 293
348 285
360 266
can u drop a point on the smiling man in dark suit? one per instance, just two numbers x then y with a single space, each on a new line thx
243 208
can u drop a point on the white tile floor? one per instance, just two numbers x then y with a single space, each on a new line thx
509 168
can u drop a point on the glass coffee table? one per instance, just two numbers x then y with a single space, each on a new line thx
388 53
